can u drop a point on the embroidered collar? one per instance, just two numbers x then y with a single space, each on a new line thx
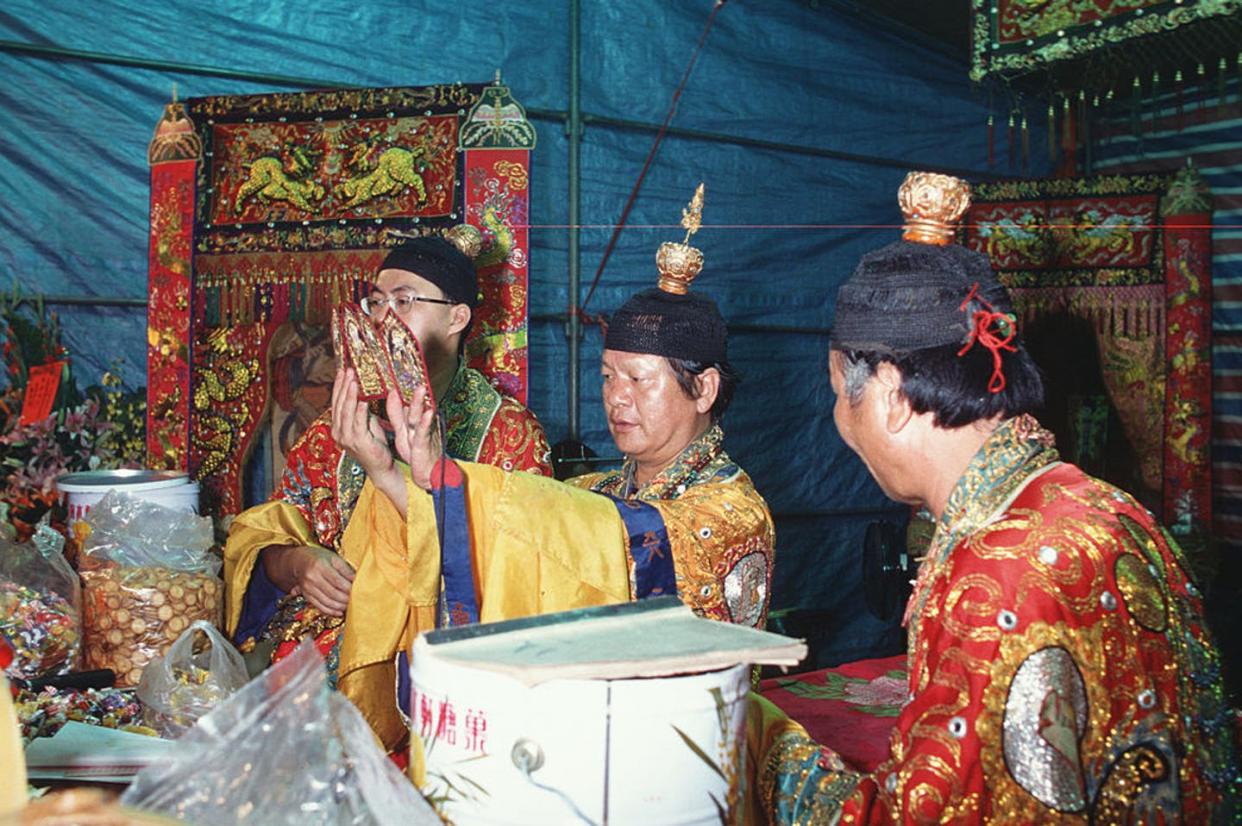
700 461
1016 449
468 407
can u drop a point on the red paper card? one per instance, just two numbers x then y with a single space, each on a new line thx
41 387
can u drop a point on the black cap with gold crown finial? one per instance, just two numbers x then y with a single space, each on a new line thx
445 260
924 290
670 320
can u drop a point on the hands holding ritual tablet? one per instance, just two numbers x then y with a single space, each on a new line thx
383 361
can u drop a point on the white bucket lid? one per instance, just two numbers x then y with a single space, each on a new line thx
127 479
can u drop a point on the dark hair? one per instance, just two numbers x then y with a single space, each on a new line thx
953 387
688 371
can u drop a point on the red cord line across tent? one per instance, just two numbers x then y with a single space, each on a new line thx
1143 227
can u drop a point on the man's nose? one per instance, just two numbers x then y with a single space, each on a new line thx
615 395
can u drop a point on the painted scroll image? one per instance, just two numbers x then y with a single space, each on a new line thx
384 356
362 351
408 367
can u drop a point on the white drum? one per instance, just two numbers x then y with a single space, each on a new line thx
169 488
664 750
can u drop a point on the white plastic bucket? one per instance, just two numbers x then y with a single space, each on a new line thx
168 488
597 751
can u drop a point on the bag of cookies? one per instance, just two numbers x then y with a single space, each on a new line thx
184 684
148 572
39 605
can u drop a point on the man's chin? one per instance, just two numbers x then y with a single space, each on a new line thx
624 444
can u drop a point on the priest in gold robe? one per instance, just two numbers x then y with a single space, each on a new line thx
459 542
286 575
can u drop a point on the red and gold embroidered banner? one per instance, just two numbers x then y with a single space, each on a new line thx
1012 37
1081 233
229 397
330 169
1114 300
168 313
291 201
498 202
1188 398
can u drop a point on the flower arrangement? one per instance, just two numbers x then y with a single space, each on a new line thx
102 428
27 341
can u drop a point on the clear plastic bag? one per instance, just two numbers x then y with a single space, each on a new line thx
40 605
181 686
135 533
284 750
148 572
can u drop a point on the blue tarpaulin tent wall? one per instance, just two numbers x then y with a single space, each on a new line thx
801 117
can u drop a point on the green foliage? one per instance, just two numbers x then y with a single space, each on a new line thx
31 337
99 429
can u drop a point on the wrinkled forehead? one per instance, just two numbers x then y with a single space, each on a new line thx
624 361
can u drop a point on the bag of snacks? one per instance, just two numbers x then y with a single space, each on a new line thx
183 685
285 750
39 605
148 572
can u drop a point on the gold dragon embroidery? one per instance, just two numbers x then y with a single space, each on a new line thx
223 380
396 168
271 179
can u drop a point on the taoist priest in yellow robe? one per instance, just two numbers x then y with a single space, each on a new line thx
458 542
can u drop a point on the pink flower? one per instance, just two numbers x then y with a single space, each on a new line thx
882 691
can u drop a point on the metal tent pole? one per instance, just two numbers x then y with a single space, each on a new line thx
573 325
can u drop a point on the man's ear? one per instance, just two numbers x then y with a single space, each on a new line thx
459 318
897 409
708 385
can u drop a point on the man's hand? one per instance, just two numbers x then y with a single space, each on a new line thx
355 429
417 437
318 574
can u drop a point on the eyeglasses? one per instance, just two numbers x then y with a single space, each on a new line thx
399 303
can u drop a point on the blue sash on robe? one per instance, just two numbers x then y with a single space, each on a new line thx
649 548
458 603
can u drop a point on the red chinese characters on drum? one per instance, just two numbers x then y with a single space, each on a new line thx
436 719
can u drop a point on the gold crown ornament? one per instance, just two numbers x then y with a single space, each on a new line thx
467 238
932 205
680 263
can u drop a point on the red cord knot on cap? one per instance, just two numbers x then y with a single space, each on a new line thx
993 330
